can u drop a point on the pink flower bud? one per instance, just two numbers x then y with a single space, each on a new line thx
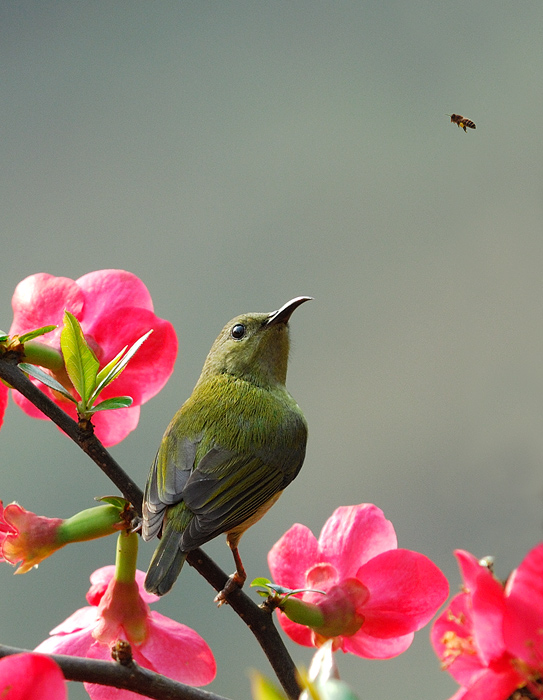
28 538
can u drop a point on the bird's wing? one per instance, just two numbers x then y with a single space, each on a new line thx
172 467
226 490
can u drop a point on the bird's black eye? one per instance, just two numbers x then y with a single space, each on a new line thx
238 331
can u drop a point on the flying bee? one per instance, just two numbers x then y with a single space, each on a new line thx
462 122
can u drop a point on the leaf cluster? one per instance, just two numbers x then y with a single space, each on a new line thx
82 368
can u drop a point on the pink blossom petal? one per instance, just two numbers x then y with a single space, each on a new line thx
452 639
488 610
406 589
110 427
321 577
100 580
491 685
5 528
290 557
178 651
369 647
3 401
299 633
523 626
40 300
353 535
469 568
75 644
102 652
488 606
24 676
171 649
105 289
459 695
147 597
29 407
151 366
105 692
78 620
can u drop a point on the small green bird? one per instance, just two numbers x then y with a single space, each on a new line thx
229 451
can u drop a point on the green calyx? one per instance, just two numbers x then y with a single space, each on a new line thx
90 524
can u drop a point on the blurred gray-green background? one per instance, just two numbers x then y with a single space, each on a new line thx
236 154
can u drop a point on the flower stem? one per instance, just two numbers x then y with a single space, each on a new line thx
127 556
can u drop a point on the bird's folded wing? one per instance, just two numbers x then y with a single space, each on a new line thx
171 469
226 490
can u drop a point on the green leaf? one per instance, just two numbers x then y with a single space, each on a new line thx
104 372
3 337
81 363
110 404
260 581
263 689
116 366
36 333
287 592
46 379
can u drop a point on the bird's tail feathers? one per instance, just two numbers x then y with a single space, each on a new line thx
165 565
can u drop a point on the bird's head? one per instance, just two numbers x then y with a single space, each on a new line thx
254 347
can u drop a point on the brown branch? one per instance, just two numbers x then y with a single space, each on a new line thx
259 621
86 440
131 677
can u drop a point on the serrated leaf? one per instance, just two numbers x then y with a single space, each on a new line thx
81 363
116 369
46 379
111 404
36 333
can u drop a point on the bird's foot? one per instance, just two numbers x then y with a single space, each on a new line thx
235 582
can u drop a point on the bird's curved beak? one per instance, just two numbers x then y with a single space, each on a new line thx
283 314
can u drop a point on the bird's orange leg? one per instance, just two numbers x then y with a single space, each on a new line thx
235 581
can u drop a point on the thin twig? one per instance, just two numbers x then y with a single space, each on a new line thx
259 621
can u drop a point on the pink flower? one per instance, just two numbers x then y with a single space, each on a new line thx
377 595
26 537
3 401
120 611
114 309
24 676
490 637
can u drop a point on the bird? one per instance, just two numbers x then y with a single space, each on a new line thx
229 452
